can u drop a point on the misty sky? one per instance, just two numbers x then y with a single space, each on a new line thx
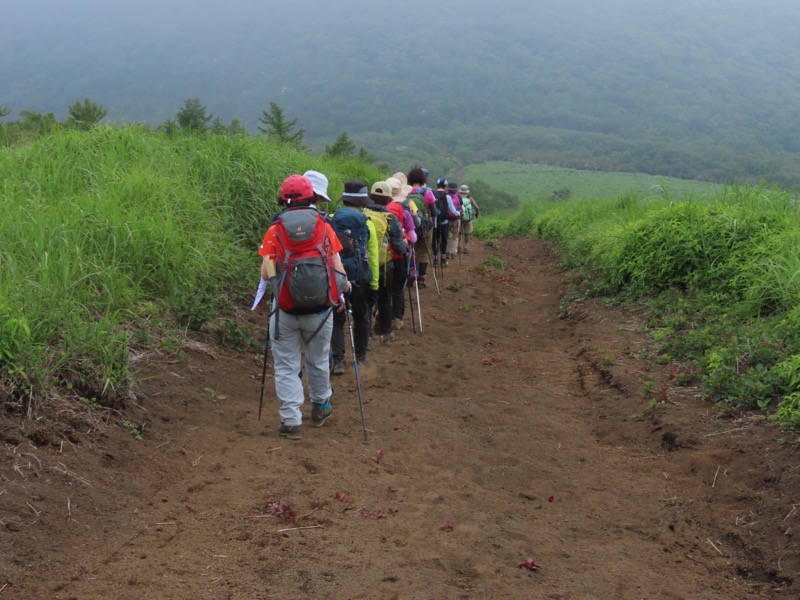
142 59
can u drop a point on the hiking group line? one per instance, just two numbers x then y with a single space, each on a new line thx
321 272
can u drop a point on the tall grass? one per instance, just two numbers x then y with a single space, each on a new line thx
721 272
102 229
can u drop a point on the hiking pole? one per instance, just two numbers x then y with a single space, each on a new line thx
433 264
419 306
458 244
411 306
264 370
348 312
412 264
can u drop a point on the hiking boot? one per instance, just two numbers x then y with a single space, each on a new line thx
320 413
421 282
361 361
465 250
444 262
435 262
397 324
388 338
293 432
338 365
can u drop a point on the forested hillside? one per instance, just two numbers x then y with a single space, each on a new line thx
681 89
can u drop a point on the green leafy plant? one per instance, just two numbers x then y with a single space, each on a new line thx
133 429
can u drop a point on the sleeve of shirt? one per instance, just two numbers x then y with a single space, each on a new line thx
373 252
336 245
408 224
267 248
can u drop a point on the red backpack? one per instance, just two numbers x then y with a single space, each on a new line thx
307 282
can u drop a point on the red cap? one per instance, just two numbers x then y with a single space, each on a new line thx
295 188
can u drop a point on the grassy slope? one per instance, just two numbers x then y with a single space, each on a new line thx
113 236
540 181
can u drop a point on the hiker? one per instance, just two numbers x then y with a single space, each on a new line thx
423 199
401 265
293 248
441 225
392 246
359 256
448 215
470 211
454 231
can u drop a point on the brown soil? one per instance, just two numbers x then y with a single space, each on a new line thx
511 429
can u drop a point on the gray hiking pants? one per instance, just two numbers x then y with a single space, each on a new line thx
293 332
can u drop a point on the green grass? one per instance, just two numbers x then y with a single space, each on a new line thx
115 237
721 274
533 181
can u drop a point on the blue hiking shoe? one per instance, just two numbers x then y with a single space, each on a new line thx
320 413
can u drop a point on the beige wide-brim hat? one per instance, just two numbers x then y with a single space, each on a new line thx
402 177
399 189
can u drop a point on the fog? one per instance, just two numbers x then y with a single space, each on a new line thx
631 68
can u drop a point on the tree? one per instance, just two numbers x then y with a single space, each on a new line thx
193 117
219 128
4 112
38 122
170 127
279 128
343 146
85 115
366 157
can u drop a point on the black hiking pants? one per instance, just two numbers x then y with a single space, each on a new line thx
359 305
440 240
384 324
400 267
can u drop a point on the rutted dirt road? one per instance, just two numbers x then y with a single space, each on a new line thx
510 429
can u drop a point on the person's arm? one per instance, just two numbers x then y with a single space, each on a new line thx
396 239
411 229
267 250
373 255
339 267
477 208
430 202
336 260
451 208
267 268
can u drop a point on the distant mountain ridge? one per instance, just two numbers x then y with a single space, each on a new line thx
629 84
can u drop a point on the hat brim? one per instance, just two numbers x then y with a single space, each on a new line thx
355 199
378 197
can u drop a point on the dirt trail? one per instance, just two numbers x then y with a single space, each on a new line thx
510 429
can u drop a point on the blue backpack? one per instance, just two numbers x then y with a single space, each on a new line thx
350 226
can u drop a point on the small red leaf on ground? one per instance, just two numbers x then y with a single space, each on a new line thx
373 470
531 564
447 525
551 499
341 497
390 490
378 456
189 509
